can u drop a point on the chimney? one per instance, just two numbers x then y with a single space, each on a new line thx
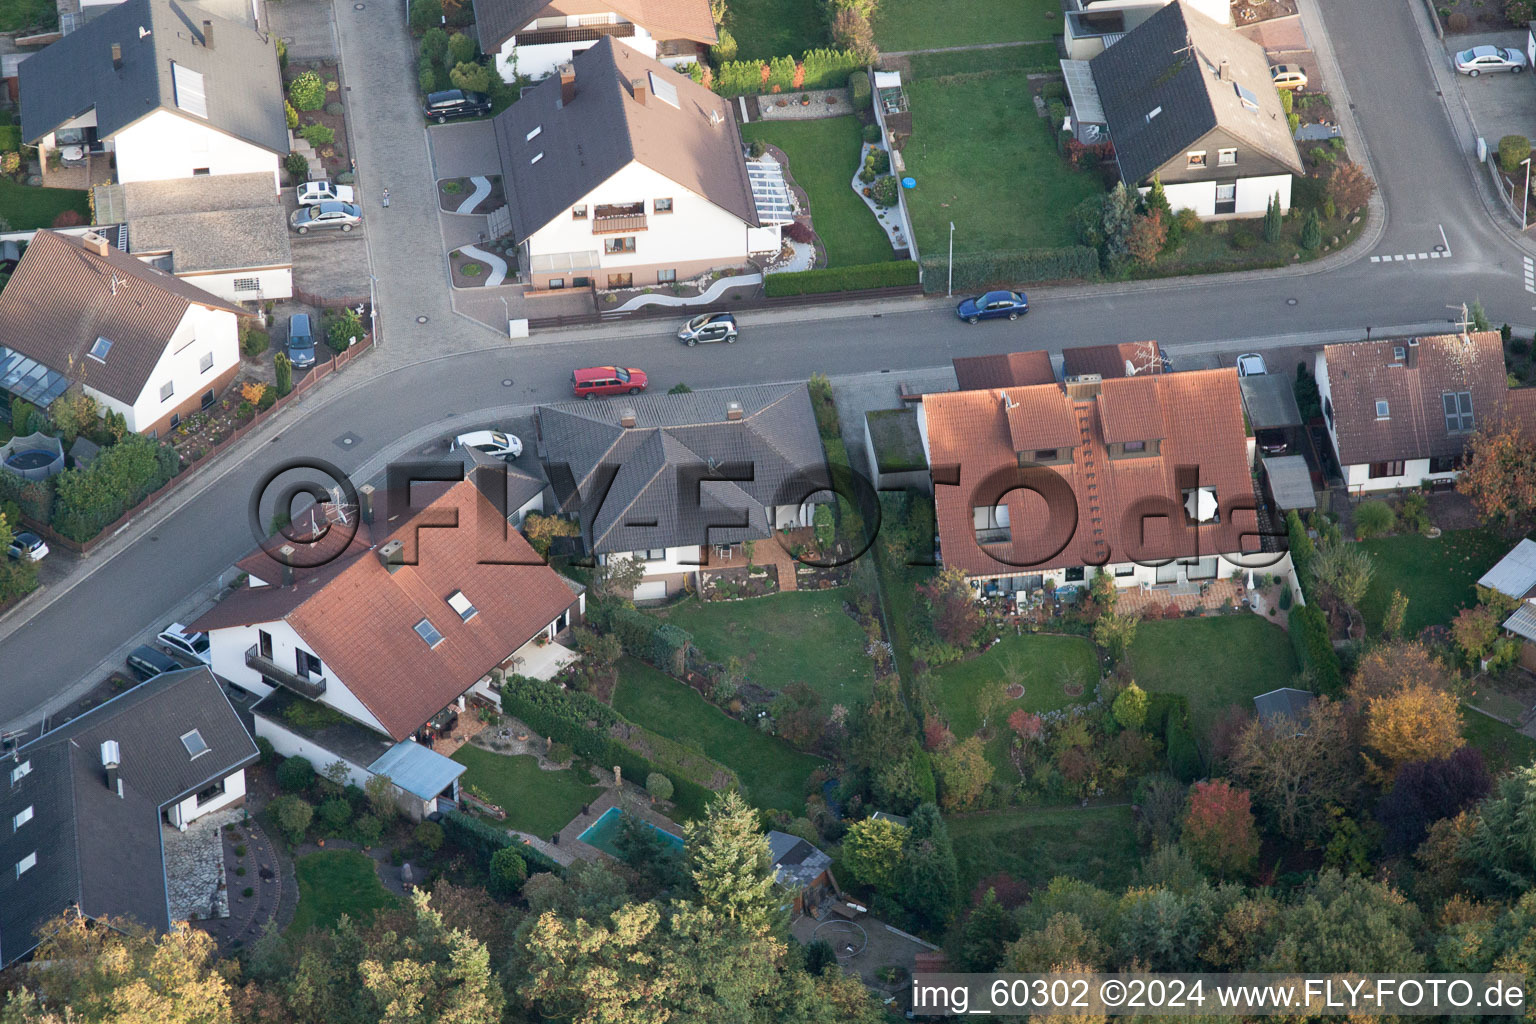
1084 386
732 411
567 83
117 56
392 556
208 33
627 418
1224 72
1412 349
287 552
95 243
111 757
365 503
638 86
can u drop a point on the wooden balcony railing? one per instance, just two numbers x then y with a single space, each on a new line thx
582 34
305 686
618 223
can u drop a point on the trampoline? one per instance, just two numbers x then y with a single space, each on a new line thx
847 938
34 457
22 461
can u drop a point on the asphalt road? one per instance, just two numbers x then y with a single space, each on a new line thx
66 633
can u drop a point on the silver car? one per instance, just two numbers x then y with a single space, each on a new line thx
1489 58
345 216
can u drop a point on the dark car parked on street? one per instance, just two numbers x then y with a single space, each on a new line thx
993 306
146 662
455 103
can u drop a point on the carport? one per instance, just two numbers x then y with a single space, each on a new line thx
1290 483
1270 402
1088 121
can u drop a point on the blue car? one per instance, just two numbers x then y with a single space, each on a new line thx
992 306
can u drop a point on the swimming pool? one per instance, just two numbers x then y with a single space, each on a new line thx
602 833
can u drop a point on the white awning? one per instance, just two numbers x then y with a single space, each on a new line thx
1084 93
1201 504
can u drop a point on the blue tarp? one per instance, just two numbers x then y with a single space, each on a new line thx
415 769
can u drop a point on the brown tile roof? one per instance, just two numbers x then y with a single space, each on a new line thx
973 438
63 296
1131 412
496 21
1362 373
1013 370
361 619
1111 360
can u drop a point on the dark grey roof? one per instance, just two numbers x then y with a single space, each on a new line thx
1161 91
241 84
1285 702
677 439
1270 401
796 863
93 848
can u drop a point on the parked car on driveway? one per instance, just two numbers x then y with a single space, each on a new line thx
1489 58
27 546
312 193
993 306
491 442
1251 364
188 643
301 341
608 380
1288 76
707 327
454 103
1271 442
345 216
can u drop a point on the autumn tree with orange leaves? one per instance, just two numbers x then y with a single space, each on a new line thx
1500 476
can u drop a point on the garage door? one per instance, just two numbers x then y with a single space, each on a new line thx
655 590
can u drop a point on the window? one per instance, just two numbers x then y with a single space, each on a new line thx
100 349
20 772
1197 159
662 206
428 632
21 818
1382 470
1134 446
666 277
621 280
212 792
1328 410
1399 354
556 283
1226 157
1383 411
26 864
533 134
208 399
198 171
206 363
153 435
620 243
1445 464
1458 411
579 213
167 390
461 604
195 744
247 284
1226 198
1128 569
175 420
1249 100
1046 454
307 663
1075 575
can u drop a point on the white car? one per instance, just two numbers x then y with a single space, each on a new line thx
28 546
1251 365
178 639
1489 58
313 193
491 442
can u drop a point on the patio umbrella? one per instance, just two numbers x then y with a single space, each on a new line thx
1201 504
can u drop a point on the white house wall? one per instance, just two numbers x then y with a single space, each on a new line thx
1415 471
165 145
1254 194
202 331
189 810
291 744
541 59
1146 575
228 647
272 283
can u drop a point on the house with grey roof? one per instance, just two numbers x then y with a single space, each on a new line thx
802 869
86 805
677 480
168 89
621 173
1190 102
534 37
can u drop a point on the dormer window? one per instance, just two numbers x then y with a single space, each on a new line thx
1399 354
428 632
1046 454
100 349
461 604
1135 446
1382 411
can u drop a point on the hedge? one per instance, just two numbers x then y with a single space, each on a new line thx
86 501
1183 755
824 69
484 839
843 279
33 497
1314 648
1302 551
986 269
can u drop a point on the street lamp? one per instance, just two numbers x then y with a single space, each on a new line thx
1525 203
952 257
373 309
506 314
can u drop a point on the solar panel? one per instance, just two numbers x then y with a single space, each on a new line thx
189 90
664 90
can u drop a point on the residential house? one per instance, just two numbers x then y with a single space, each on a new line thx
371 630
677 481
621 172
1189 101
1147 476
139 341
1400 411
1091 26
225 233
802 869
1125 359
84 805
1514 576
163 89
535 37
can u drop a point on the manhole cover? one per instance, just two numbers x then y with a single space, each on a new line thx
358 7
506 382
422 319
347 440
1439 248
1290 302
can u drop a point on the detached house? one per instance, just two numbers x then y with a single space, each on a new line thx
1190 102
534 37
162 89
84 805
1401 411
677 480
372 634
1146 475
138 340
623 173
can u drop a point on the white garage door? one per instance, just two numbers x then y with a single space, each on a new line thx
655 590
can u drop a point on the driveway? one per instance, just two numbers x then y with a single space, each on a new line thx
304 26
1500 104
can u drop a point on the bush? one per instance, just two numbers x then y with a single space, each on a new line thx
367 828
559 753
724 50
1457 22
284 374
884 191
860 93
343 326
295 775
292 816
307 92
871 133
799 231
461 48
264 748
1053 90
335 813
981 270
434 44
1183 755
1242 240
842 279
426 14
1056 113
297 166
659 786
1513 151
254 341
470 77
86 501
878 160
290 115
1374 519
1311 232
317 134
508 873
1314 648
429 836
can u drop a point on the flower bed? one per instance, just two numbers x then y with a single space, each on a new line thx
335 156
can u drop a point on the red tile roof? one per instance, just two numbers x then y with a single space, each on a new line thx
1012 370
1112 360
1125 509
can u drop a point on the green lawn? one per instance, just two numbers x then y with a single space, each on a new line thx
1502 747
776 28
1437 575
803 636
983 160
1215 662
823 156
773 773
925 24
16 15
536 801
24 207
1035 844
336 882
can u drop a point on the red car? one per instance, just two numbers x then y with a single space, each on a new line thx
608 380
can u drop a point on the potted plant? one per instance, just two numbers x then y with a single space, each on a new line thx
805 101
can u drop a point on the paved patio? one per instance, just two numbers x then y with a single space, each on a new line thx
1187 597
541 662
881 946
195 885
773 551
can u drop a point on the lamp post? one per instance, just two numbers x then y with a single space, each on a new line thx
952 256
506 314
1525 203
373 309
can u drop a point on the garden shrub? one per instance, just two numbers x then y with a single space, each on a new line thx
88 500
317 134
253 340
295 775
1374 519
429 836
470 77
290 115
893 274
335 108
434 44
1183 755
1056 113
1053 90
292 816
870 133
659 786
335 813
367 829
307 92
724 50
669 645
508 873
781 73
283 367
297 166
1513 151
426 14
860 93
342 326
799 231
1308 629
33 497
878 160
884 191
979 270
461 47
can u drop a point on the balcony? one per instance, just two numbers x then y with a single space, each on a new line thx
302 685
617 223
582 34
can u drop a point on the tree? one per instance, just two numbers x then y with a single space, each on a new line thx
1130 707
1156 200
343 328
1218 827
1063 938
951 604
852 31
1475 630
74 413
963 773
1392 620
1349 187
1118 219
1115 633
1423 792
1502 841
1311 231
1344 570
1148 238
1390 667
542 530
618 577
872 851
729 861
1499 475
1345 923
1297 770
797 714
1160 801
293 815
461 47
659 786
508 873
1272 219
883 746
283 367
927 880
984 935
434 44
470 77
1417 723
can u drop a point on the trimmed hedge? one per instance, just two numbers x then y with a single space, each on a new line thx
1302 550
824 69
1314 648
986 269
843 279
86 501
33 497
484 839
